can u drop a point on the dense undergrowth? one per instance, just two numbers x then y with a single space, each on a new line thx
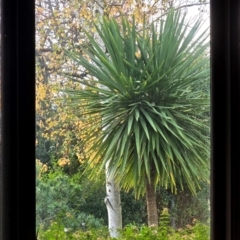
71 207
196 231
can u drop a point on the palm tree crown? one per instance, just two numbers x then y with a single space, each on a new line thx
146 88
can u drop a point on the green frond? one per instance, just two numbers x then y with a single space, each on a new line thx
147 87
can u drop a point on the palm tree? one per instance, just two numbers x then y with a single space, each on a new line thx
145 90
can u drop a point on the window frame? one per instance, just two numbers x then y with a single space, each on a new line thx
225 119
18 120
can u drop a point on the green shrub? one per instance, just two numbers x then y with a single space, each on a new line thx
71 203
54 232
189 207
184 207
57 231
60 197
197 231
133 210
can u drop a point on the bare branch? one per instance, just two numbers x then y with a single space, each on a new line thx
183 6
191 5
77 75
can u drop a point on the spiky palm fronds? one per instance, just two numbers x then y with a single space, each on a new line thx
145 89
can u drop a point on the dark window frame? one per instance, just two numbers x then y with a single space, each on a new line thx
18 120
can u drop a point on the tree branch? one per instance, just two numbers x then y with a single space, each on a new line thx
77 75
183 6
191 5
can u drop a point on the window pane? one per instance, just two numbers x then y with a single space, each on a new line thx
158 86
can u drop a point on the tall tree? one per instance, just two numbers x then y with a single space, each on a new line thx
112 199
151 104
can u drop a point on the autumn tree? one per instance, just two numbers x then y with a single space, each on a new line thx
58 28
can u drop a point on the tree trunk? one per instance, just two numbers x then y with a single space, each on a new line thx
112 199
113 204
171 206
151 204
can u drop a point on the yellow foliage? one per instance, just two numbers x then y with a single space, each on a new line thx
80 157
41 91
69 215
42 167
38 106
138 54
52 124
62 125
63 161
165 211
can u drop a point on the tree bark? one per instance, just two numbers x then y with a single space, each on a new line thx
112 199
171 206
151 204
113 204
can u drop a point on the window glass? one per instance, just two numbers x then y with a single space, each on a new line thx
77 130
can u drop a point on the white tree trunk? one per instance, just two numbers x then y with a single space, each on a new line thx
112 199
113 204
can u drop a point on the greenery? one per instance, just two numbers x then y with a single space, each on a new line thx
82 200
141 87
71 199
196 231
145 93
151 125
185 207
59 197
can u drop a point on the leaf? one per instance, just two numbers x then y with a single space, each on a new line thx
130 122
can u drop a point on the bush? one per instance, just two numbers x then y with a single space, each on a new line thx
184 207
189 207
58 198
196 231
74 203
133 210
58 195
57 231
